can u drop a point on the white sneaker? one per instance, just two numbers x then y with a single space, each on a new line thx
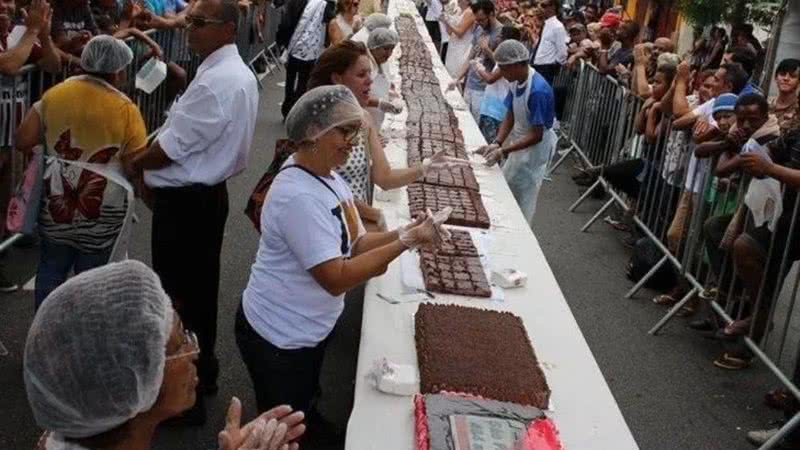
759 437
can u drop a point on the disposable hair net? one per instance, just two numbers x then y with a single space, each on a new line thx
382 37
377 20
321 109
511 51
95 352
105 54
668 60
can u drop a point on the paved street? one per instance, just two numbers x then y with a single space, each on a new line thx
669 392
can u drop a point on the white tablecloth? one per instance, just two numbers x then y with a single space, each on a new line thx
584 410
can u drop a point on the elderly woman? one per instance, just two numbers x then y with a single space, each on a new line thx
380 45
87 202
107 360
313 249
348 64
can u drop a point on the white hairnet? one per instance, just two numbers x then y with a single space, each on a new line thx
321 109
382 37
511 51
95 353
377 20
668 60
105 54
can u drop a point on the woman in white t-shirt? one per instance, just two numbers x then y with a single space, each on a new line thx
313 249
346 23
348 64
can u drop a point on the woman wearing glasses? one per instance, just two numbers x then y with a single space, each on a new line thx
107 359
313 249
348 64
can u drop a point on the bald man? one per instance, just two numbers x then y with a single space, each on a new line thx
205 140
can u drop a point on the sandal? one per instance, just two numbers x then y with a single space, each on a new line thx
780 399
664 300
689 308
737 328
731 362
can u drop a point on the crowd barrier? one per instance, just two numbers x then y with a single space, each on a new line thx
705 246
256 43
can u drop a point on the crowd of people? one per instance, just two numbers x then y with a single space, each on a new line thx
321 235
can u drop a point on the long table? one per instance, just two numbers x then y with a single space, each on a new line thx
583 408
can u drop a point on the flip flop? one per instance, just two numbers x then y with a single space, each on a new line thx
664 300
731 362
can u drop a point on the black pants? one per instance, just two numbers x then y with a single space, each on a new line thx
297 72
279 376
623 176
548 71
188 227
435 32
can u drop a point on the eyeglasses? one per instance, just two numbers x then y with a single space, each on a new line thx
189 347
349 132
200 21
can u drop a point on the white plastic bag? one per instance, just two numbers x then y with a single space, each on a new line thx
151 75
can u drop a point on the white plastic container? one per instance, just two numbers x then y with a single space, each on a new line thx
151 75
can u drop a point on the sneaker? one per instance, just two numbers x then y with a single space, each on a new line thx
760 437
6 286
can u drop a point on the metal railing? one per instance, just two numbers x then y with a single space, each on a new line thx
698 220
255 40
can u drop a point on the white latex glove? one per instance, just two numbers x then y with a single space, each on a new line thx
382 222
440 161
439 219
235 435
421 233
484 150
494 156
453 85
266 436
389 107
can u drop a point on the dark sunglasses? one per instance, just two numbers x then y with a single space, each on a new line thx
200 21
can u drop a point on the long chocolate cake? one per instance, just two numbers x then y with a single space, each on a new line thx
478 352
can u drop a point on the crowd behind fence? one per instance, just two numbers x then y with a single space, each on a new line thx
255 40
598 127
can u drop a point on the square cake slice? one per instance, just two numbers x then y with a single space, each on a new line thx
459 275
478 352
468 209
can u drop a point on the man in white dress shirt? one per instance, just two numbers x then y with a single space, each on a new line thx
205 140
551 52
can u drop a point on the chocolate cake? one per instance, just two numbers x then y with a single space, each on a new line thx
459 275
460 244
468 209
459 177
477 352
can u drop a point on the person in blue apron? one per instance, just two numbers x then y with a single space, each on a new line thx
526 139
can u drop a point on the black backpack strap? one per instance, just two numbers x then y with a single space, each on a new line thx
313 175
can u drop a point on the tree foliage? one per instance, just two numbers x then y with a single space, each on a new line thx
702 13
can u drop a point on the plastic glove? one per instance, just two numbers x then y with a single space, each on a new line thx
439 219
381 222
235 435
453 85
440 161
484 150
266 436
389 107
494 156
422 234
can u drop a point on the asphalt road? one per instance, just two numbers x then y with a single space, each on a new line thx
669 392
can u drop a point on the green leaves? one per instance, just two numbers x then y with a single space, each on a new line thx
702 13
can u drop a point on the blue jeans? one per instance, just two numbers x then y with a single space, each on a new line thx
57 260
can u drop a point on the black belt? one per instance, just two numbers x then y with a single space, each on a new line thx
195 188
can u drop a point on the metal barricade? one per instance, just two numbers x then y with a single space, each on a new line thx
698 220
